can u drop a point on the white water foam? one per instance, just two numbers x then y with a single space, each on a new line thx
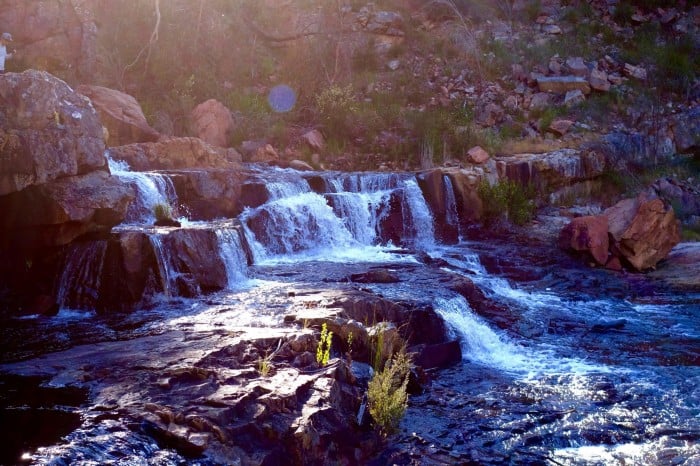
233 255
151 189
422 228
483 345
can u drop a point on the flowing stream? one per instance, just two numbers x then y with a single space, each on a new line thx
574 369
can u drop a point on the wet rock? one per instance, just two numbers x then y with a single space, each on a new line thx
63 210
375 276
121 114
47 132
589 234
207 194
680 267
176 153
438 355
433 185
563 84
643 229
212 122
607 326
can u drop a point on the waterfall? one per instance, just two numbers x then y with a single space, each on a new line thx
79 284
421 226
298 223
283 189
451 215
232 251
166 270
483 345
151 189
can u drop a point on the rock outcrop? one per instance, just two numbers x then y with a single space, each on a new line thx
644 230
54 34
121 114
637 232
47 131
212 122
54 182
174 154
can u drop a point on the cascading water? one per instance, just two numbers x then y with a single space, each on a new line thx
541 379
451 216
151 189
232 251
421 220
79 284
166 270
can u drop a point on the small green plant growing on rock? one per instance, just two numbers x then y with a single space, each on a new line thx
323 351
387 393
162 212
265 365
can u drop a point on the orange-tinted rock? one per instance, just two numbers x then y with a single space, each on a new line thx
644 230
212 122
589 234
477 155
121 114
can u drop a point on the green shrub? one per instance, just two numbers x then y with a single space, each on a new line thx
323 351
162 212
335 105
507 199
387 395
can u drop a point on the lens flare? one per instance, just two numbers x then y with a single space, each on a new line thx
282 98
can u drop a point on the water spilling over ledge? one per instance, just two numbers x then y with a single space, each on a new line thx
166 327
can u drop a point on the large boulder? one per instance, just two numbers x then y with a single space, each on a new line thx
587 234
47 131
552 170
644 230
209 194
212 122
563 84
56 213
174 154
121 114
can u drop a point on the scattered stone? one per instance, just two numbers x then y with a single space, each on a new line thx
315 140
478 155
300 165
563 84
561 126
576 66
599 80
615 79
573 98
264 154
540 100
394 65
555 65
636 72
212 122
551 29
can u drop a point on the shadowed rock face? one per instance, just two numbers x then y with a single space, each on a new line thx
47 131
